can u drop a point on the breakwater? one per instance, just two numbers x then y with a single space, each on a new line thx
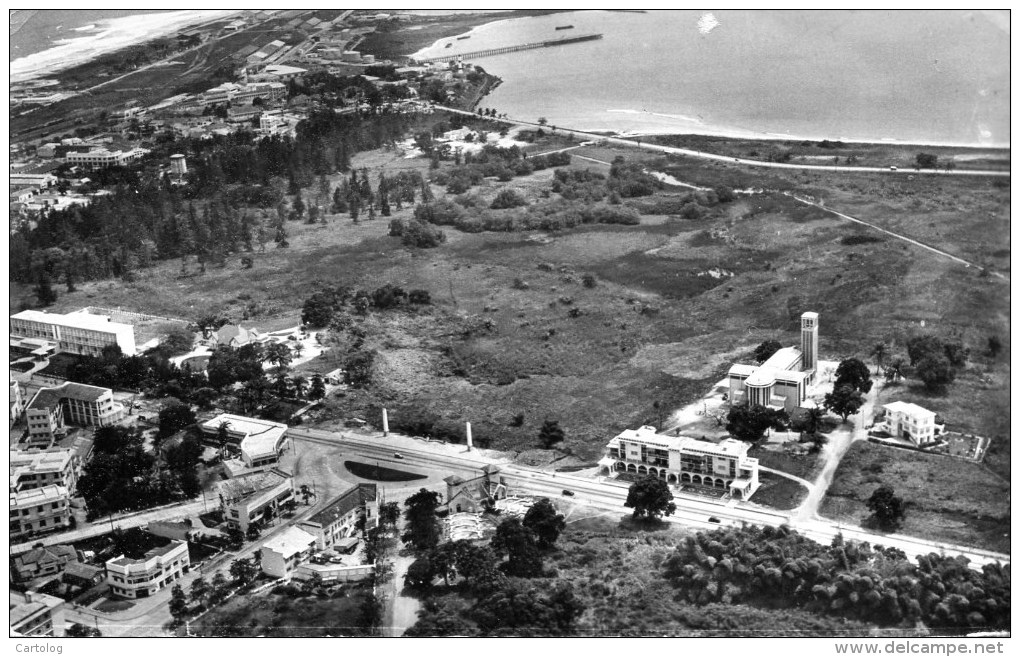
500 51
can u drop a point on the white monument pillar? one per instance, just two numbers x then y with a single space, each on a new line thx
385 423
467 426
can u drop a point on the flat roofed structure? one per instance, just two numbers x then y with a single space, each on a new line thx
37 468
143 575
907 420
39 510
682 460
35 614
78 332
70 403
260 441
282 554
251 497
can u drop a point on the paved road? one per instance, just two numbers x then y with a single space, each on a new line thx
610 495
617 141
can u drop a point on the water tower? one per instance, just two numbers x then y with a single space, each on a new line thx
178 165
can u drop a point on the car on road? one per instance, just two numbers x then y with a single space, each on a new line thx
893 169
398 455
568 493
714 519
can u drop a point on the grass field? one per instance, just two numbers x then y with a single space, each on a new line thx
656 327
947 499
271 615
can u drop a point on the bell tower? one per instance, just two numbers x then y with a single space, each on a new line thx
809 343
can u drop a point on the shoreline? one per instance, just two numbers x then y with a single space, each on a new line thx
106 37
732 133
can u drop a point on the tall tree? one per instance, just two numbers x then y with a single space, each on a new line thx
765 350
650 498
44 290
879 352
547 524
854 373
518 543
550 434
844 401
888 509
423 530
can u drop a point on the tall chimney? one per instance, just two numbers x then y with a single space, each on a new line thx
385 423
467 426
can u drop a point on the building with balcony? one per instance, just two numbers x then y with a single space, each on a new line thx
339 518
260 441
35 614
252 498
51 409
913 422
282 554
781 382
680 460
143 574
79 332
102 158
31 469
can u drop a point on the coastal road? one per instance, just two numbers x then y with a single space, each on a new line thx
617 141
609 495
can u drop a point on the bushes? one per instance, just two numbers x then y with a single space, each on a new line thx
422 236
506 199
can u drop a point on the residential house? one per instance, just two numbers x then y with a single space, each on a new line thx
913 422
42 561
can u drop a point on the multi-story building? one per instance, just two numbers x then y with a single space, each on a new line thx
39 510
252 497
17 402
244 94
260 441
282 554
31 469
143 575
102 158
339 518
906 420
78 332
780 382
71 403
681 460
36 614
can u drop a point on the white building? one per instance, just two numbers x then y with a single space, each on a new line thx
906 420
252 497
39 510
35 614
260 441
282 554
102 158
71 403
780 382
33 469
79 332
156 569
682 460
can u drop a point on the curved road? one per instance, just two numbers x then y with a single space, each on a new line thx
738 160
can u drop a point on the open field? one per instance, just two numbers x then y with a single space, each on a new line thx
778 492
947 499
658 326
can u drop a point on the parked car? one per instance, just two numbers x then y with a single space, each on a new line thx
398 455
568 493
714 519
893 169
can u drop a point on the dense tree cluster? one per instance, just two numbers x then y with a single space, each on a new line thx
749 422
122 475
493 161
777 567
547 216
936 361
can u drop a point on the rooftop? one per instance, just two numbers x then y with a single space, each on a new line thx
907 408
50 397
648 436
74 320
240 488
344 504
47 553
783 359
157 547
290 542
28 498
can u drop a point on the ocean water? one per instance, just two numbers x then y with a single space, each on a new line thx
44 28
907 76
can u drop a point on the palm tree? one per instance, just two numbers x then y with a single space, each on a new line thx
223 436
879 351
298 348
813 419
306 493
278 354
300 384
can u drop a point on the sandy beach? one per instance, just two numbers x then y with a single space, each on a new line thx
107 36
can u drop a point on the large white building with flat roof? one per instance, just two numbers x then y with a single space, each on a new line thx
781 382
79 332
70 403
282 554
910 421
145 575
260 441
680 460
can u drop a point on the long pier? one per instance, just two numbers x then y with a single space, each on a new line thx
501 51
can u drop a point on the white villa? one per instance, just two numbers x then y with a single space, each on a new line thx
683 460
917 424
780 382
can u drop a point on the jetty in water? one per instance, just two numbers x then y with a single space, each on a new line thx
501 51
